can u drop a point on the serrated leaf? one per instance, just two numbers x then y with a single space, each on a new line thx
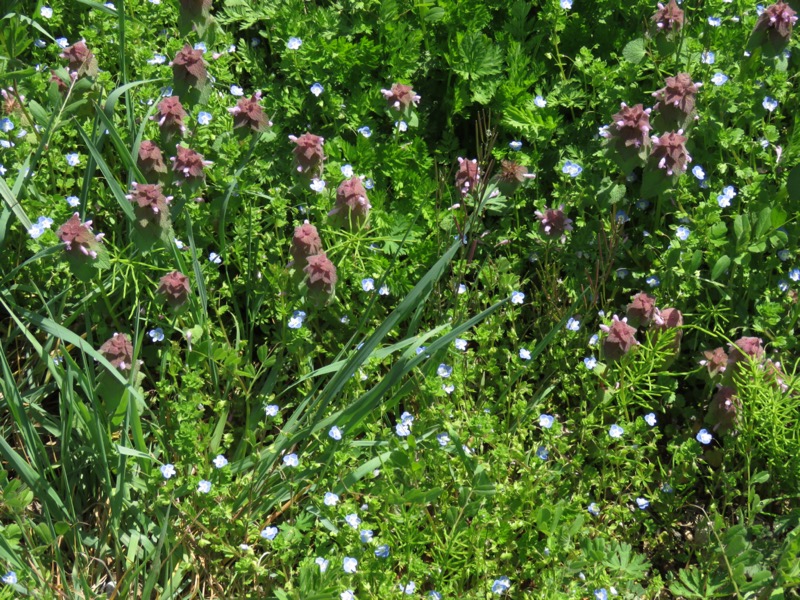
478 57
634 51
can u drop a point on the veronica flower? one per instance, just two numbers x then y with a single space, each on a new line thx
516 146
524 354
291 460
157 334
269 533
272 410
335 433
444 370
517 297
590 362
204 486
368 284
317 89
714 21
593 509
330 499
294 43
167 470
615 431
572 169
323 564
769 104
350 564
540 101
708 58
704 437
220 461
237 91
682 233
73 159
501 585
365 131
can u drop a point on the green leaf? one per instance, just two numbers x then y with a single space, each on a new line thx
793 183
720 267
634 51
478 57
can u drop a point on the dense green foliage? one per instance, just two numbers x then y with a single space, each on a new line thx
446 393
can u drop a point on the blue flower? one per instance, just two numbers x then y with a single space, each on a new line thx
682 233
794 274
237 91
365 535
572 169
704 437
728 194
463 288
566 4
220 461
573 324
368 284
9 578
546 421
353 520
708 58
6 125
698 172
157 334
382 551
403 429
517 297
200 46
323 564
443 439
601 594
347 170
204 118
714 21
540 101
204 486
524 354
317 185
46 12
294 43
593 509
542 453
516 146
330 499
434 595
769 104
158 59
215 258
167 470
615 431
349 564
73 159
409 588
719 78
783 285
642 503
460 344
501 585
590 362
653 281
317 88
291 460
272 410
365 131
296 320
650 419
269 533
335 433
444 370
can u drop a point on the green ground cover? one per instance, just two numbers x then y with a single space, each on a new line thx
375 299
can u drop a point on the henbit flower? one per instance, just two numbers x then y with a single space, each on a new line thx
708 57
540 101
593 509
330 499
118 350
554 222
78 237
170 116
467 176
668 18
546 421
715 361
677 97
335 433
382 551
444 370
368 284
650 419
294 43
719 78
743 348
641 310
704 437
308 152
631 126
572 169
156 335
321 276
73 159
189 68
220 461
590 362
352 205
620 339
174 286
305 242
615 431
511 176
269 533
150 159
189 164
501 585
349 564
769 104
517 297
774 27
151 207
401 97
524 354
723 410
317 89
682 233
670 152
81 59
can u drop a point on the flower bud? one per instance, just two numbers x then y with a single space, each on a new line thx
305 242
352 205
118 350
620 338
175 288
